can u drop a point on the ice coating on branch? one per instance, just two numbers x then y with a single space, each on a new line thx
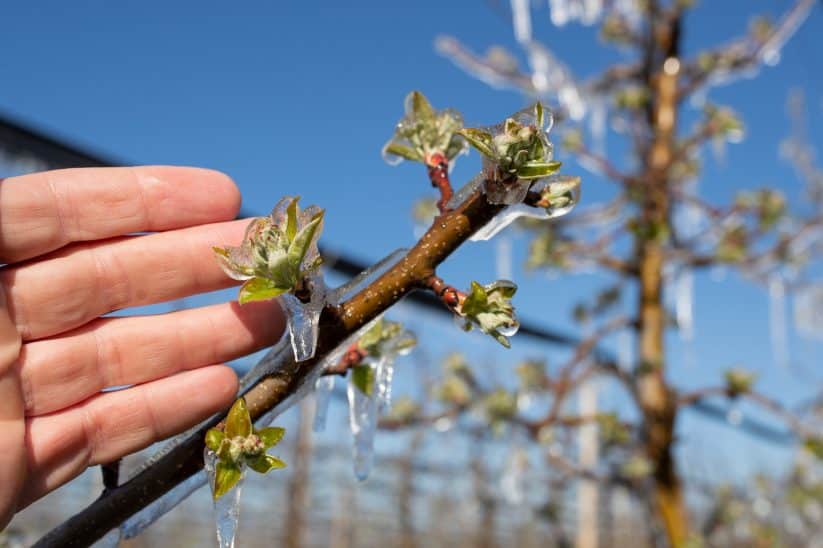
323 388
684 302
227 507
384 372
559 194
565 11
808 311
522 20
362 420
109 540
770 51
160 507
513 478
365 278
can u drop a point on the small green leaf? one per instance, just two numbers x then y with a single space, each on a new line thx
539 114
421 107
479 139
303 240
403 151
265 463
259 289
213 438
238 421
537 170
291 219
271 435
363 378
226 476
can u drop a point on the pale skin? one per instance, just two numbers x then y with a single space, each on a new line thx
70 257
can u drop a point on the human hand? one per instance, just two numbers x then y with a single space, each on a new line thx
66 238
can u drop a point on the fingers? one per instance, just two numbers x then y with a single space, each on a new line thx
12 426
77 284
62 371
113 424
42 212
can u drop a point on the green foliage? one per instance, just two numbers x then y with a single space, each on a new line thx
278 252
518 150
739 381
363 378
489 309
423 132
385 337
240 444
613 432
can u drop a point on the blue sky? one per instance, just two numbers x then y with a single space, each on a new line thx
299 97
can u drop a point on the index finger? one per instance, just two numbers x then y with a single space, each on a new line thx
42 212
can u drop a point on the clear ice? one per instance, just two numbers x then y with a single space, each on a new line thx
384 371
513 212
303 319
808 311
323 388
227 507
363 423
362 280
777 320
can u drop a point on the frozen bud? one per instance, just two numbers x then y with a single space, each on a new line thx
499 405
636 468
733 244
277 254
424 133
612 430
454 390
489 309
738 381
532 375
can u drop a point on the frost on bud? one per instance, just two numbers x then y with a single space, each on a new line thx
489 308
278 254
515 154
738 381
240 445
424 132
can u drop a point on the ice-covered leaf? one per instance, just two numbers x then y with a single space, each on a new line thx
214 437
424 133
259 289
537 170
479 139
265 463
299 246
363 378
739 381
489 309
226 476
238 421
271 435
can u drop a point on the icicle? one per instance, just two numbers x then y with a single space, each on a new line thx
625 359
550 76
227 507
363 423
521 20
303 320
384 372
466 190
559 12
503 259
734 416
323 389
684 303
513 478
777 320
808 311
565 11
770 51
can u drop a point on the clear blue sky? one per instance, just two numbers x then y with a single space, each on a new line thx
299 97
